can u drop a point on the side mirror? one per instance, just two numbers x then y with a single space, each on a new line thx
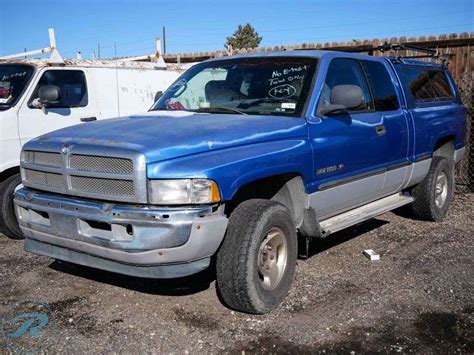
49 94
158 95
343 97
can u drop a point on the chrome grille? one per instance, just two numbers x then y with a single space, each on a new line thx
44 178
106 173
102 186
43 158
101 164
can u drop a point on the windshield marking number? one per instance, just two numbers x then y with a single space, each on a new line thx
282 91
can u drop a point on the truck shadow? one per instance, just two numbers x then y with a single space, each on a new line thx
182 286
322 244
199 282
405 212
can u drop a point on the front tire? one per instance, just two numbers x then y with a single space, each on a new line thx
434 194
256 262
8 221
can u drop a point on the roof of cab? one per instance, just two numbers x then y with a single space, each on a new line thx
321 53
300 53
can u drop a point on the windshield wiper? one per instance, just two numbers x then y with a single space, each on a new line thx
215 109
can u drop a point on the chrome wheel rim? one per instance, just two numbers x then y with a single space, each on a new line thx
272 258
441 190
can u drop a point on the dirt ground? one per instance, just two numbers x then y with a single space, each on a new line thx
417 298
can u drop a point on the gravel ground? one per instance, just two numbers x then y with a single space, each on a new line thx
417 298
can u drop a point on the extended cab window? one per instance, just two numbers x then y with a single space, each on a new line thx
346 72
426 84
72 88
383 91
262 86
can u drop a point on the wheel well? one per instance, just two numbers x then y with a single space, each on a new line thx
444 147
288 189
9 172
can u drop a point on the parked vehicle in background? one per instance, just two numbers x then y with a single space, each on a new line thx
37 96
238 158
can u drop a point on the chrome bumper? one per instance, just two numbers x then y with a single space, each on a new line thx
143 241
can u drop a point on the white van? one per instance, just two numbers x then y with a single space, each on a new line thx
38 96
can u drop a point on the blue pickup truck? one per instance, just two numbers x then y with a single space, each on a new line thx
242 161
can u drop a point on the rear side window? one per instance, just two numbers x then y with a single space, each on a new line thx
383 91
427 84
440 84
72 85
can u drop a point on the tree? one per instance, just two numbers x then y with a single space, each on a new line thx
244 37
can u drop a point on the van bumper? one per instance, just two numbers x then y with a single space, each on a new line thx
143 241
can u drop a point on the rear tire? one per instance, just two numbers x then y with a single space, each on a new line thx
434 194
8 221
257 259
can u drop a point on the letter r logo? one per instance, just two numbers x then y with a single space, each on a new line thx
29 322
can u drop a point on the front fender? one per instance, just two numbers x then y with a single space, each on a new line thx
234 167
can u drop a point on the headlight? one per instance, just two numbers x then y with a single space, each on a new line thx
182 191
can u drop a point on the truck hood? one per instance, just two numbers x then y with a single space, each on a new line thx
163 135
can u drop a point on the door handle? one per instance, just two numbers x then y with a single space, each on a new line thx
88 119
380 130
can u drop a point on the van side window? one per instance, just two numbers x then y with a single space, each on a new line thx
72 86
343 71
427 84
383 91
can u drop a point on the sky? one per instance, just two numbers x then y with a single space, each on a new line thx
203 25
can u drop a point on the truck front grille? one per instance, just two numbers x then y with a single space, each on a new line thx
117 175
44 178
43 158
102 164
102 186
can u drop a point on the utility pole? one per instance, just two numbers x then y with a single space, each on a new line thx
164 40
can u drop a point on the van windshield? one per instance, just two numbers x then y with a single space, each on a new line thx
13 80
261 86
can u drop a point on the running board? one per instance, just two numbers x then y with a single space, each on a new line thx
364 213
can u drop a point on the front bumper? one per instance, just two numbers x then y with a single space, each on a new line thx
145 241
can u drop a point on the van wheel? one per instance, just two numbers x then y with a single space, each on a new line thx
256 261
8 222
434 194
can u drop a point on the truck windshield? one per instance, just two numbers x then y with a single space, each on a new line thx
261 86
13 80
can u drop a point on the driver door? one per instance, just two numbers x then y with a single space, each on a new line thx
348 147
73 107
